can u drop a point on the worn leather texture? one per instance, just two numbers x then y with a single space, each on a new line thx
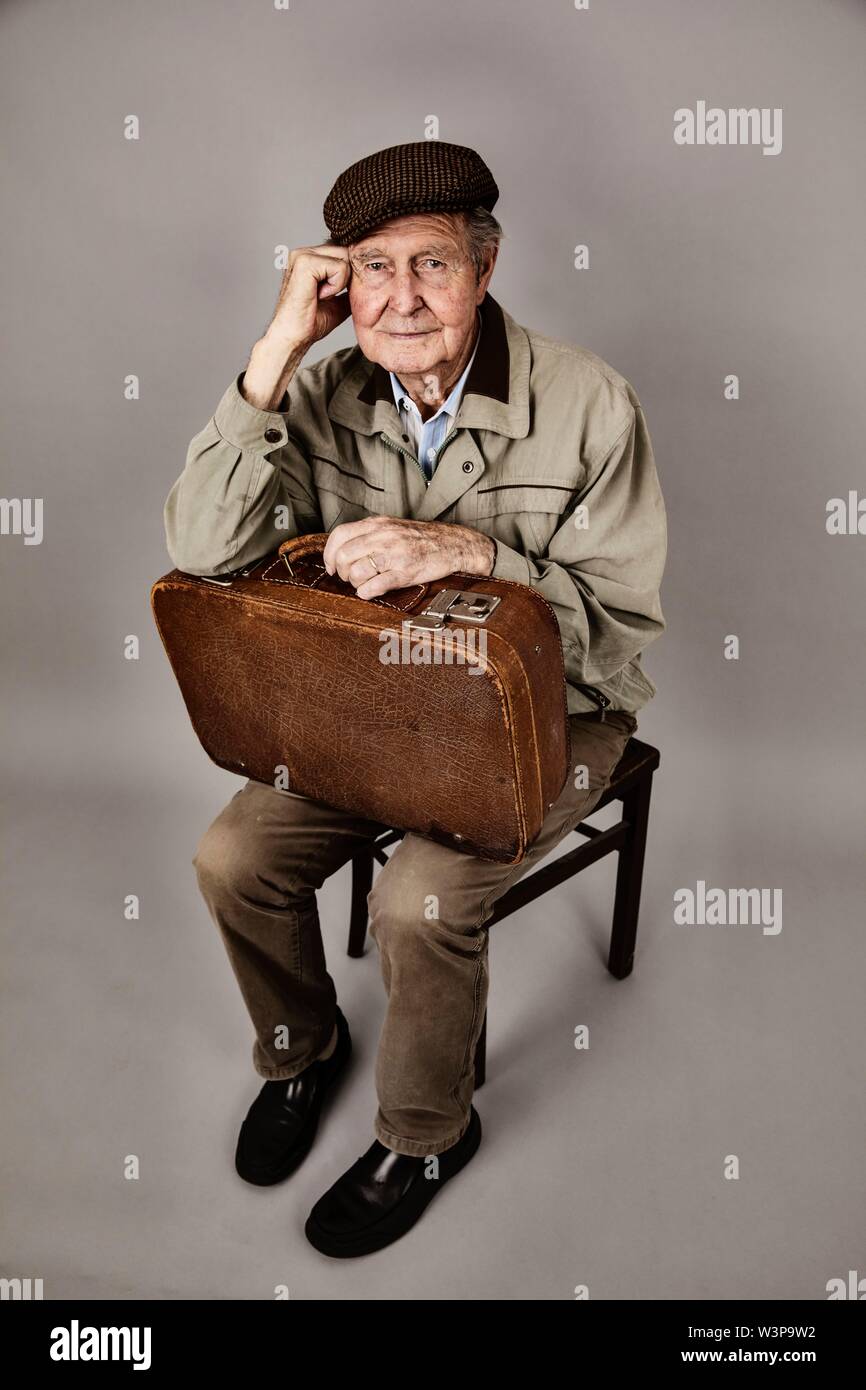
280 667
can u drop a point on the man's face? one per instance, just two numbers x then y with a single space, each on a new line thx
413 293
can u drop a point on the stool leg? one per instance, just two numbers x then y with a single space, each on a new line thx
362 882
481 1055
628 880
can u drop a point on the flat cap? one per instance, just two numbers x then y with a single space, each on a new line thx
426 176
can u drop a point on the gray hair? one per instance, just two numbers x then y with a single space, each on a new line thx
482 234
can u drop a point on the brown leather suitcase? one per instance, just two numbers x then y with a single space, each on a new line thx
439 708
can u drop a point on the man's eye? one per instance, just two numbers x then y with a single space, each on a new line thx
374 265
431 261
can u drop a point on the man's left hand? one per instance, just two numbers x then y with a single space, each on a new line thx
403 552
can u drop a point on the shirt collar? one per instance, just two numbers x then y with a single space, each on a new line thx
451 403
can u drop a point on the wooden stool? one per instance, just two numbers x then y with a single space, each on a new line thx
631 783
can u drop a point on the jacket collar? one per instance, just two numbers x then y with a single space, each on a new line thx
452 401
495 396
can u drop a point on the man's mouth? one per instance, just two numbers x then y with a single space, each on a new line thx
425 332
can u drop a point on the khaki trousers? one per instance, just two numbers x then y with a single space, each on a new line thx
259 865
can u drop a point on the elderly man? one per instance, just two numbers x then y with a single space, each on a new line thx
450 438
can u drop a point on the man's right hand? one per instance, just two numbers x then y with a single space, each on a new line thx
308 307
312 302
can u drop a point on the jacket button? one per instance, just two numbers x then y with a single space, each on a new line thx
273 436
468 466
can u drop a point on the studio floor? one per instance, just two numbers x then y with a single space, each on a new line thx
601 1168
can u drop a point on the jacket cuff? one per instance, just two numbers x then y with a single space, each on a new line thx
510 564
247 427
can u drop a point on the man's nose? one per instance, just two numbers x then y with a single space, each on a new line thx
404 298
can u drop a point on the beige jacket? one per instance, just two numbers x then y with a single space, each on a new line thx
549 455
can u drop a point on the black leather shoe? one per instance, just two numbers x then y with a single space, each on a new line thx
281 1123
381 1197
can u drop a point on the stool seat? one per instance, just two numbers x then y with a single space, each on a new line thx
631 783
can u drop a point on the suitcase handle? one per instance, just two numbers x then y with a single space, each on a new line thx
302 557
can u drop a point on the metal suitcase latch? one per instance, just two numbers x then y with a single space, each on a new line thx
466 604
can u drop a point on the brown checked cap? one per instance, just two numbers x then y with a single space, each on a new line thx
427 176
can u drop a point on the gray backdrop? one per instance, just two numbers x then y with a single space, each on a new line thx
155 257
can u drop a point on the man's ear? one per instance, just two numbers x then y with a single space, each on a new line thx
486 272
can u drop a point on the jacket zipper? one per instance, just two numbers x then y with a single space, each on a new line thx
600 699
406 454
446 440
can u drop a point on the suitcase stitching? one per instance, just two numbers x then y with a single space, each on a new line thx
294 584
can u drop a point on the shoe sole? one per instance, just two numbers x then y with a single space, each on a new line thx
297 1156
382 1235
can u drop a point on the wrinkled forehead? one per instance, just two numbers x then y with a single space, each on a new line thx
439 232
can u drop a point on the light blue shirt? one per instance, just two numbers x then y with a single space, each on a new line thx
428 436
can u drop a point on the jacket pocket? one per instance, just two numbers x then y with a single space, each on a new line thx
541 495
523 514
344 494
